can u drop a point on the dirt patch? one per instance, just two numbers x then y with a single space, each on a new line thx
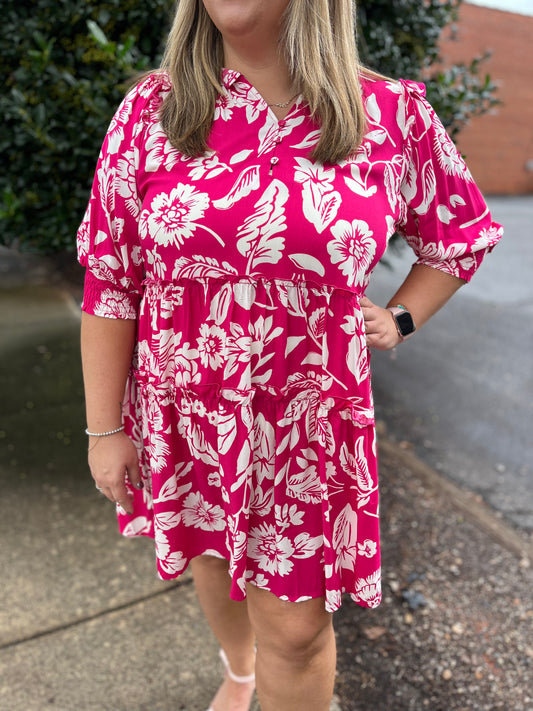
455 630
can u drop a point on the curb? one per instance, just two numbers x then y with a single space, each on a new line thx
464 500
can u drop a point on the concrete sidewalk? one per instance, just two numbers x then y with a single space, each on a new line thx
86 626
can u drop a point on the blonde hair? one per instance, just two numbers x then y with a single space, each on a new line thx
318 42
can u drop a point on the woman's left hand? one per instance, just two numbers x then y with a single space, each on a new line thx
381 331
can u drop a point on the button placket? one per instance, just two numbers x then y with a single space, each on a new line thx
277 140
273 161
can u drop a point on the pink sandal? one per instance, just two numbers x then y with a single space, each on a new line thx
234 677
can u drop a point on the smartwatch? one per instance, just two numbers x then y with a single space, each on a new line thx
403 320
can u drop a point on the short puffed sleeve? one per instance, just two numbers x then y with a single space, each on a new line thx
107 240
444 218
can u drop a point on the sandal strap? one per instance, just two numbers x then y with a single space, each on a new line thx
234 677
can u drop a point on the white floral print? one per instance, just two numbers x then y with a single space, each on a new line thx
223 107
367 547
171 217
113 305
352 247
115 133
199 513
368 590
257 234
127 186
249 398
211 345
449 157
271 550
160 152
320 200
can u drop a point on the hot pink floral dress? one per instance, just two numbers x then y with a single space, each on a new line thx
249 397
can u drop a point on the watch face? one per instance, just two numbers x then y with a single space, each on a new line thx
405 323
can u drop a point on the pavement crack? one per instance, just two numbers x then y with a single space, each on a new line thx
96 616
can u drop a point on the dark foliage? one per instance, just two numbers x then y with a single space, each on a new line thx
61 86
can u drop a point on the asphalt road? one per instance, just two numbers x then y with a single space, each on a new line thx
461 391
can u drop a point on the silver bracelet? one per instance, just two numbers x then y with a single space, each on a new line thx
104 434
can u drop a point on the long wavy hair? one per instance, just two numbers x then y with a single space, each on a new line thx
318 42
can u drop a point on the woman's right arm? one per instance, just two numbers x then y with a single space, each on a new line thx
106 348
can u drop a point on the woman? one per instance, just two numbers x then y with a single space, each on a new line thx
242 198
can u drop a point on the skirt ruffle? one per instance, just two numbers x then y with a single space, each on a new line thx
261 453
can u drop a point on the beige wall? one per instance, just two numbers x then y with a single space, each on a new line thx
498 146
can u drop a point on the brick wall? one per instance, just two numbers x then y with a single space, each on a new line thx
498 146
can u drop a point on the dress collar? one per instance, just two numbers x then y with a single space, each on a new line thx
230 76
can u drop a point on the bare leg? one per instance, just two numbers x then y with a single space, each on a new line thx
296 655
231 626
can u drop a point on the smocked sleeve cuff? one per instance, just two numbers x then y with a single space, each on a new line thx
459 259
100 298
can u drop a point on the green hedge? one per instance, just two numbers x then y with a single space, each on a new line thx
65 64
62 88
